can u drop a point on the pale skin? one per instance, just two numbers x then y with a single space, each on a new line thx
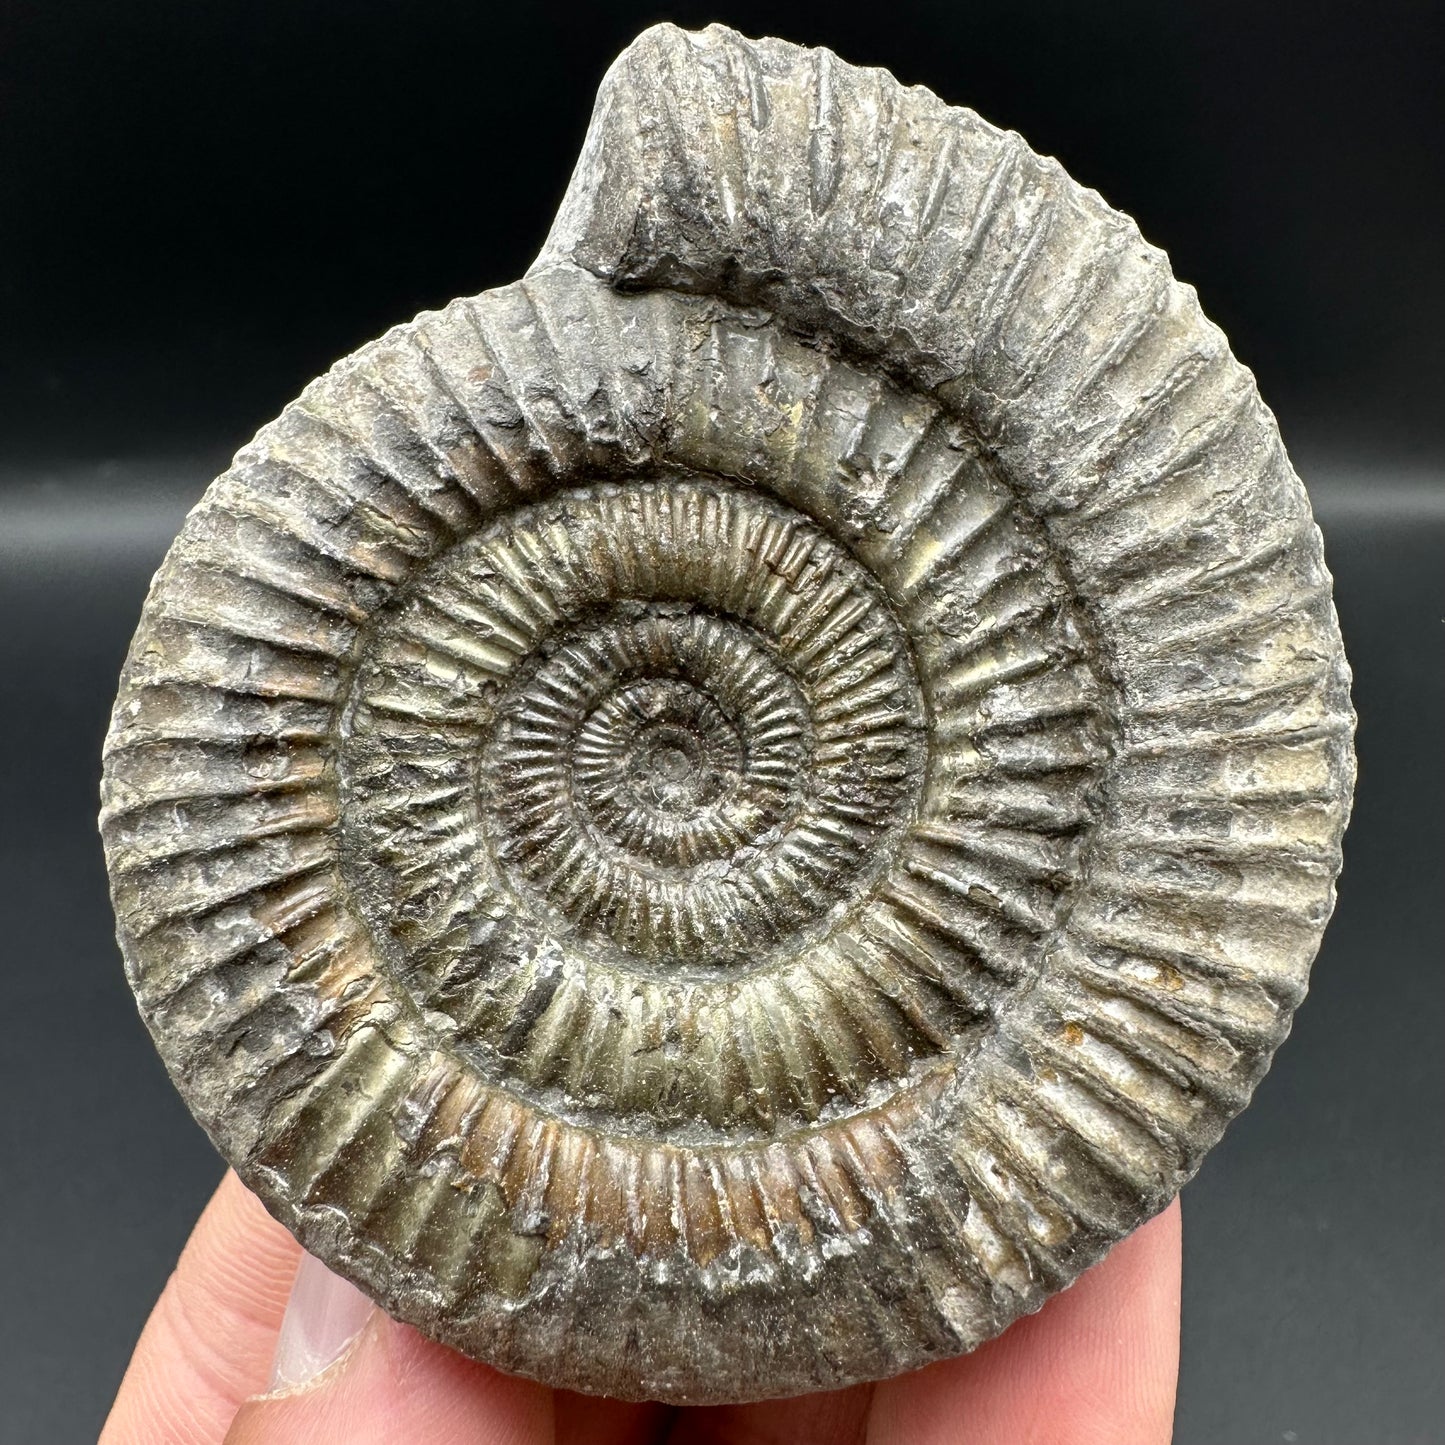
1096 1366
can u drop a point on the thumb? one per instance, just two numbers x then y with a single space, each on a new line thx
345 1374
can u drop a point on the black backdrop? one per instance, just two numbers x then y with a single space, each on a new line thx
203 204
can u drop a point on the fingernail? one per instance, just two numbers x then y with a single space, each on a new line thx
323 1316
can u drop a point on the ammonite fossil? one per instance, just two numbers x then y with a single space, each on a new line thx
724 819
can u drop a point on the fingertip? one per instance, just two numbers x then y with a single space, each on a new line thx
324 1316
392 1384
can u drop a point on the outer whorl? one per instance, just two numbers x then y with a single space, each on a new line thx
724 819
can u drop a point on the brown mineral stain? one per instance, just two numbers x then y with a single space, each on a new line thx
1169 977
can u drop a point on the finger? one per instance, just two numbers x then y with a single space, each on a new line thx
588 1420
209 1341
344 1372
838 1417
393 1385
1096 1366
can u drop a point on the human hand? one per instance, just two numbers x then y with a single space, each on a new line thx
1096 1366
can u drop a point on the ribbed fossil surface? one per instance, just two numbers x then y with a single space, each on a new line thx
724 819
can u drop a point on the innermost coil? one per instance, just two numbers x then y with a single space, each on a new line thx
662 769
646 761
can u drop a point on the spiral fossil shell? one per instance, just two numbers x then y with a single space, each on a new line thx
724 819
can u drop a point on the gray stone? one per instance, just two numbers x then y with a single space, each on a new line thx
725 819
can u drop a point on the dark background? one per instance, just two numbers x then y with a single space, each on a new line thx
203 204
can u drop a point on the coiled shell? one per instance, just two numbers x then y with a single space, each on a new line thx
724 819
